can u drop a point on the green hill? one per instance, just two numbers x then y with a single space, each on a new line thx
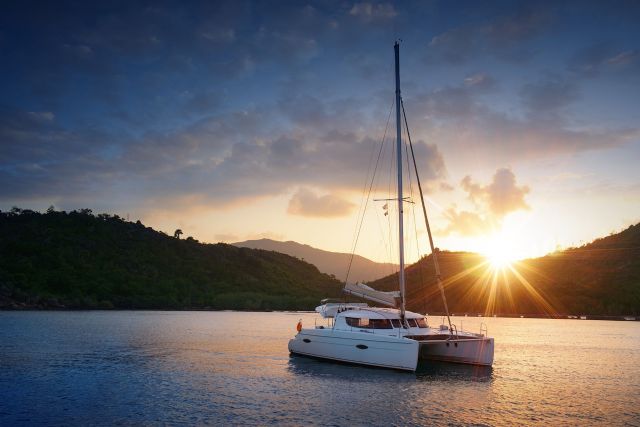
600 278
78 260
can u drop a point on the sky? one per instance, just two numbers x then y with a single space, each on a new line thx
262 119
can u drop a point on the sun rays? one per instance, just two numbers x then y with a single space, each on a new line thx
493 286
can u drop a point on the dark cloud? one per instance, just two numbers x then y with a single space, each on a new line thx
372 11
227 100
222 158
456 116
307 203
504 37
547 98
602 57
480 81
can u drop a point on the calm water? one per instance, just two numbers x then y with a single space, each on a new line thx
79 368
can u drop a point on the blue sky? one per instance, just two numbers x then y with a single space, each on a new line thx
199 115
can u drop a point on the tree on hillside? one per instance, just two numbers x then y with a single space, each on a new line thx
177 233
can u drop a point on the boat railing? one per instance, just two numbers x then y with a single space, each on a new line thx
483 328
453 332
329 323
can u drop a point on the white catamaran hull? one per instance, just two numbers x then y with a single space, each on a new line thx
469 351
357 347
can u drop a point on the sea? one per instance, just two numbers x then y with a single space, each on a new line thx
84 368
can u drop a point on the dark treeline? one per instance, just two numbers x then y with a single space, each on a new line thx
600 278
81 260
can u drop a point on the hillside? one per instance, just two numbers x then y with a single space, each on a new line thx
335 263
600 278
78 260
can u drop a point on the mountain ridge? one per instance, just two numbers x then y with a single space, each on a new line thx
333 263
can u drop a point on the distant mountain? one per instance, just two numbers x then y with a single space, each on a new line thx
335 263
79 260
600 278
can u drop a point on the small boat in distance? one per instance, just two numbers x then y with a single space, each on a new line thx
390 337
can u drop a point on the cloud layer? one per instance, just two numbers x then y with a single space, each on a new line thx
218 103
307 203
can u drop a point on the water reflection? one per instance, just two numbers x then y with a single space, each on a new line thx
308 366
453 371
427 370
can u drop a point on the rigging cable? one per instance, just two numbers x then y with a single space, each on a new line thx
426 220
419 265
364 210
392 165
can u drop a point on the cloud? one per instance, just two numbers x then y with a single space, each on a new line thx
445 186
624 58
465 223
456 117
501 196
479 80
603 57
373 11
505 37
493 202
549 95
219 35
306 203
218 159
44 116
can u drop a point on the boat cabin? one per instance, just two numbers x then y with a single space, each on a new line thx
377 320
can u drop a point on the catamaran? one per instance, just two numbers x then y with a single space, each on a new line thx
391 336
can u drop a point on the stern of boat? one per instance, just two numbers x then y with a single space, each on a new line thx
471 351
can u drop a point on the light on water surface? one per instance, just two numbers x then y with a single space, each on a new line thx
78 368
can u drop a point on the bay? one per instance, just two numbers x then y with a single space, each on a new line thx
233 368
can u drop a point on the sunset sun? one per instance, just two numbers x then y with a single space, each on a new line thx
500 258
500 253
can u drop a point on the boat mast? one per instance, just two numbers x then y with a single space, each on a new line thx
396 47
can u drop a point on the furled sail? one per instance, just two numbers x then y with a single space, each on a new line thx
361 290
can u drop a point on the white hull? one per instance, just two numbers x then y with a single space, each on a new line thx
476 351
357 347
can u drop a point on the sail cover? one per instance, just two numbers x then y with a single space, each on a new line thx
363 291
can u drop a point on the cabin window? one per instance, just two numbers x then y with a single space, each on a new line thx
365 323
357 322
395 323
412 323
380 324
422 322
353 321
